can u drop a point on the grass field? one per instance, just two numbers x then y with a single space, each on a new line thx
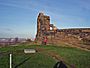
72 56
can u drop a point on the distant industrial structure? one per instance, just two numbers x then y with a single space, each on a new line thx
55 35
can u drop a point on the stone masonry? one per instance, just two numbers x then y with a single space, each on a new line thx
43 23
55 35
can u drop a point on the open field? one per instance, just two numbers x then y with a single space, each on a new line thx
46 56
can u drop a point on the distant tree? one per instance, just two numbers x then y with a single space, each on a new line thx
16 39
29 40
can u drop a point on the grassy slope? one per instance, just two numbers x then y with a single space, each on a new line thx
34 61
77 57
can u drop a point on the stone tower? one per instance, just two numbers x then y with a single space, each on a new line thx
43 24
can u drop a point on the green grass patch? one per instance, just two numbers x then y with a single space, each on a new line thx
73 56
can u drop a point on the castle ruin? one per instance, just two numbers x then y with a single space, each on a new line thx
55 35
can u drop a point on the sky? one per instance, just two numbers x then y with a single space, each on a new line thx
18 18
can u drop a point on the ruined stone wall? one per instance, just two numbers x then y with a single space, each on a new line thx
73 35
43 23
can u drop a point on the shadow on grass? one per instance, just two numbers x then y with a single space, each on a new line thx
22 62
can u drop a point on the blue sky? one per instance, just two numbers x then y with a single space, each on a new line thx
18 18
